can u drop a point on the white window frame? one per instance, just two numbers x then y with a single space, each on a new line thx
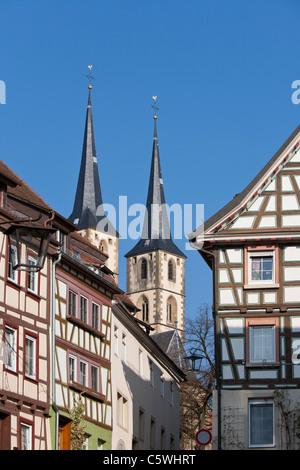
252 351
32 277
96 307
261 403
84 301
11 349
74 361
72 304
261 254
11 273
26 436
86 365
93 366
30 361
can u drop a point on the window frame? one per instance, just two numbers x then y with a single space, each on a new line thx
72 303
84 300
32 278
261 403
252 252
260 323
15 278
14 348
25 424
34 340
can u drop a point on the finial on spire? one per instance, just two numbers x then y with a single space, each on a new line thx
90 77
154 106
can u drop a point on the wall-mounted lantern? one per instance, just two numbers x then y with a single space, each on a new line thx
22 233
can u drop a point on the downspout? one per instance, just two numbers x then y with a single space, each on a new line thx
52 355
217 339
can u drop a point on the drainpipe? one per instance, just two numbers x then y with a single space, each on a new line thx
52 355
217 338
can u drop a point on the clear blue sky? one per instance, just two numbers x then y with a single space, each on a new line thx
222 71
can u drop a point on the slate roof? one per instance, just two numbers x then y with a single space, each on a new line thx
88 209
170 342
156 234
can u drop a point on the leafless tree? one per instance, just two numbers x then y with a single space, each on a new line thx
197 391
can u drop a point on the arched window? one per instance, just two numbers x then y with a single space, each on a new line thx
171 310
171 270
144 269
145 309
103 246
143 306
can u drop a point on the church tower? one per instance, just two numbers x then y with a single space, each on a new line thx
156 266
88 211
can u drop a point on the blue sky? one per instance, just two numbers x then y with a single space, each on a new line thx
223 74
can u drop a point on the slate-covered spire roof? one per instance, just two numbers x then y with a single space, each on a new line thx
88 209
156 234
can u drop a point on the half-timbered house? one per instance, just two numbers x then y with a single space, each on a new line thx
25 311
84 293
253 247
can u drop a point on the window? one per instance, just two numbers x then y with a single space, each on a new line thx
11 348
83 373
116 340
95 378
72 369
145 310
26 436
144 269
262 343
123 346
169 312
171 393
261 266
162 387
152 433
12 254
261 424
95 316
72 303
30 357
140 359
122 410
151 373
162 439
83 309
171 273
32 277
141 425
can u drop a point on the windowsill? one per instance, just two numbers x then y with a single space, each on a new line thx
13 283
33 295
261 286
87 391
85 326
263 365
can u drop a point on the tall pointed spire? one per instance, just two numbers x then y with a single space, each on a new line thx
156 232
88 205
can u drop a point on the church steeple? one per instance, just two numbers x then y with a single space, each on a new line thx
88 209
156 266
156 234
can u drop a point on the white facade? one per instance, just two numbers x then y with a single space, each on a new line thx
145 389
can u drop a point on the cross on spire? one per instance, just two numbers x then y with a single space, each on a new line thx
90 76
154 106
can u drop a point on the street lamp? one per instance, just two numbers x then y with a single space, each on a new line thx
22 233
193 357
